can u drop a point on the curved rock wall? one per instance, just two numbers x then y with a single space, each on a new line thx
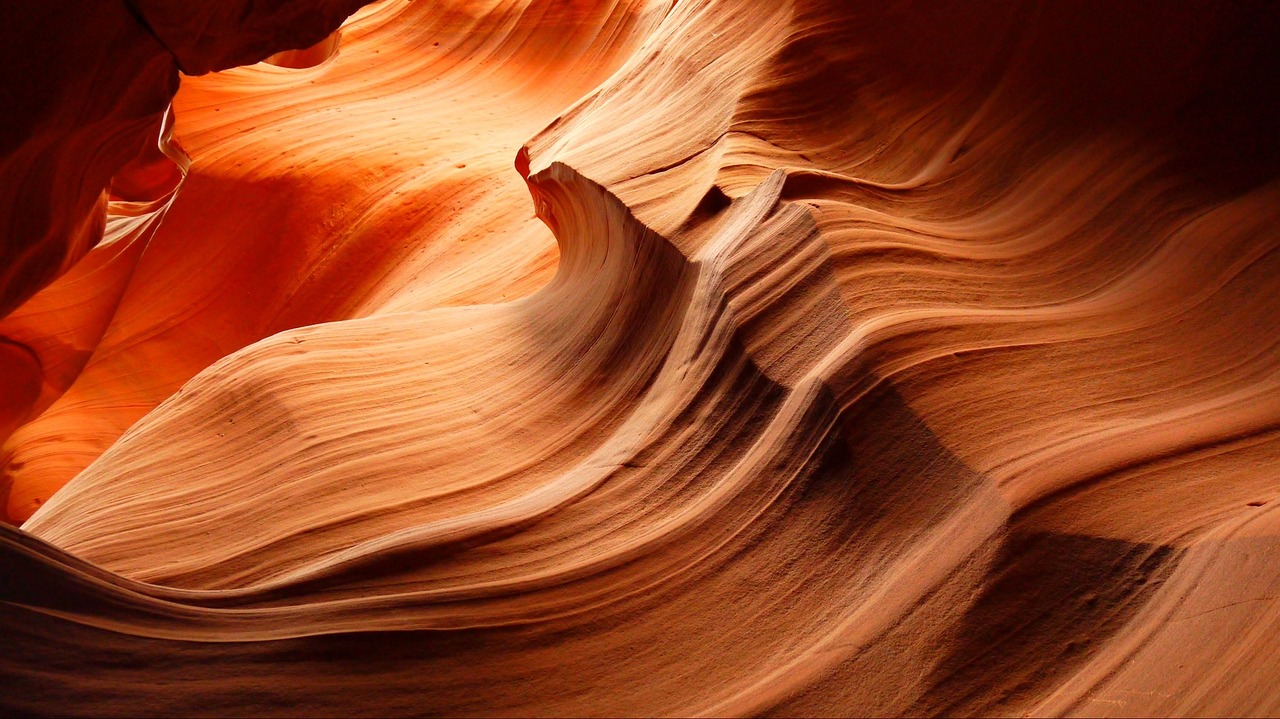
812 359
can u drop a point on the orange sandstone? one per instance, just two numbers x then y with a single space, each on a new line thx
707 357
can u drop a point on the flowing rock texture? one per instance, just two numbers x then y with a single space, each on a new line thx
624 357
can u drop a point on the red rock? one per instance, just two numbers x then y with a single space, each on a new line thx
812 359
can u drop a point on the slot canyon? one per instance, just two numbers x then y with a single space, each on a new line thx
639 358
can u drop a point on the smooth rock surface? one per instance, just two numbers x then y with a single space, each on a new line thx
707 357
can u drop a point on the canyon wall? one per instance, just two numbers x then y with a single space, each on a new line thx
707 357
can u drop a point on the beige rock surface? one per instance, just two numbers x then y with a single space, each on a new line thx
713 357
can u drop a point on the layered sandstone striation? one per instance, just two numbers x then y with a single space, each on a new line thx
713 357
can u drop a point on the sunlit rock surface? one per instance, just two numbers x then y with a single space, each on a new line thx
640 358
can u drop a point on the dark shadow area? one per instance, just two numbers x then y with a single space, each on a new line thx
1051 601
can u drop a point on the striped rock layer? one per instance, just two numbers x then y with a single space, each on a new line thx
707 357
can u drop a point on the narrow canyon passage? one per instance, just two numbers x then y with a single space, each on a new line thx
707 357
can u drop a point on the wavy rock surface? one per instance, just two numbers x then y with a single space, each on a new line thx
811 360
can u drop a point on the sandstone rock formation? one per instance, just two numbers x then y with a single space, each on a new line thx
713 357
